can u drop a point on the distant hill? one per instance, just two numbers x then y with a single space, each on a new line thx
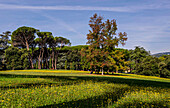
160 54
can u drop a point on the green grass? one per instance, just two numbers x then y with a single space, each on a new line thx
76 89
144 99
54 95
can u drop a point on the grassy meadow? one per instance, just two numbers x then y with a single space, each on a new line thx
68 88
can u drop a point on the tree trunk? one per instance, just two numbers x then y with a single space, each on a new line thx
42 59
39 62
108 71
32 65
56 59
102 70
117 69
27 46
52 60
30 57
55 62
36 66
47 62
47 66
52 64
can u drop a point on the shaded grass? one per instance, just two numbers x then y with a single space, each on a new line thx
82 73
118 80
21 81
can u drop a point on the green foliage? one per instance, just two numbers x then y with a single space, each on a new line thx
4 40
78 47
72 65
4 44
138 54
117 60
61 60
84 61
143 63
74 56
149 66
63 41
16 58
23 36
25 62
136 57
164 67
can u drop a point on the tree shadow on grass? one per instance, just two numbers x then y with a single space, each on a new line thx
93 102
56 82
84 103
31 85
130 82
116 80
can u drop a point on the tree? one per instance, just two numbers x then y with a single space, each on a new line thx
149 66
84 61
23 37
4 44
74 56
54 43
16 58
42 41
136 56
117 60
164 66
63 41
4 40
47 43
102 39
145 64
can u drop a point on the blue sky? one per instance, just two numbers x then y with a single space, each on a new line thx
147 22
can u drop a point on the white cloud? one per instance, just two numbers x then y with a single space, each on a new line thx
116 9
86 8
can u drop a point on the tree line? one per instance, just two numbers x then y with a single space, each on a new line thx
141 62
29 48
